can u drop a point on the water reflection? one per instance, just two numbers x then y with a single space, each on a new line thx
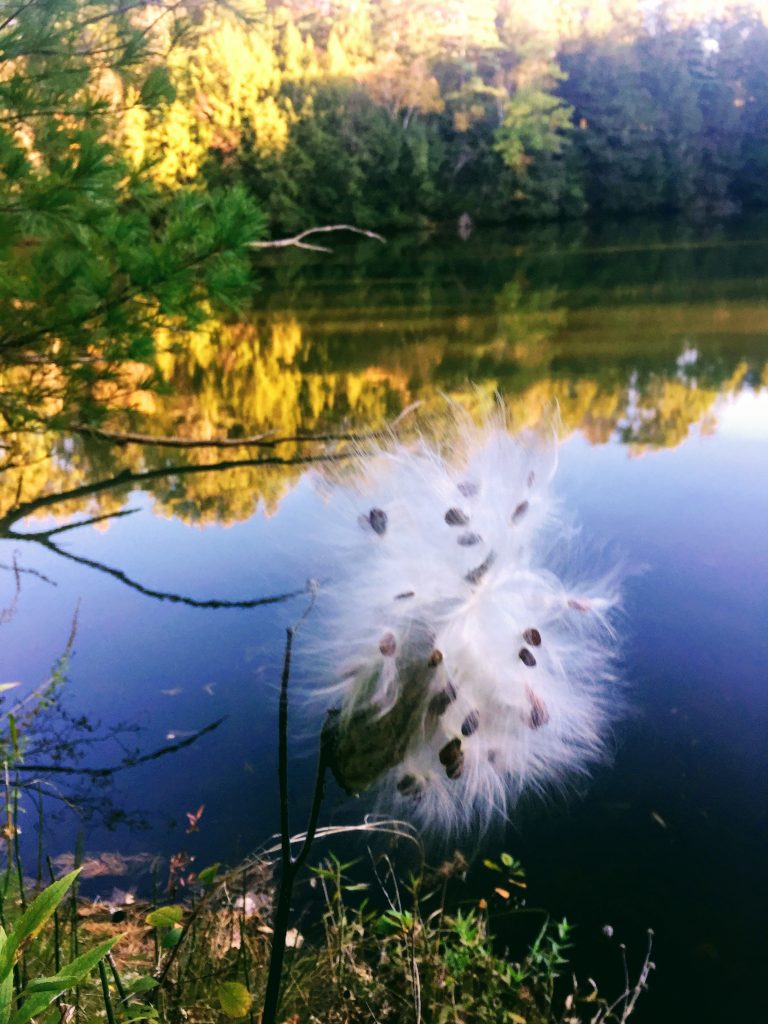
633 344
652 344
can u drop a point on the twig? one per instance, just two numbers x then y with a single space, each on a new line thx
129 762
290 865
299 243
264 440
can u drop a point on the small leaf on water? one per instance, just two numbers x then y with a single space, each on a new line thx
491 865
172 937
507 860
8 686
504 893
234 999
165 917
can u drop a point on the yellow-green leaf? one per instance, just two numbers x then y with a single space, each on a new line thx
165 917
234 999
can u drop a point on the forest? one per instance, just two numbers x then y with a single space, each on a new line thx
399 113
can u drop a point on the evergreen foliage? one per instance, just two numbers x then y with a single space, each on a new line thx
94 252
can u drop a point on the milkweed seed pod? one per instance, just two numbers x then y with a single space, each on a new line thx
464 668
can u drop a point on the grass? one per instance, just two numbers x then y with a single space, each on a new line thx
373 947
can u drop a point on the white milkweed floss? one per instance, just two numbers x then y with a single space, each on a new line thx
465 669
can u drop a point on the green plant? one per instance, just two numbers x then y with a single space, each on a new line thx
20 1001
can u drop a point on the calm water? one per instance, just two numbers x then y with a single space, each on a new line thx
654 342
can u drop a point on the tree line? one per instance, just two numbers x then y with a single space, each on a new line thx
396 113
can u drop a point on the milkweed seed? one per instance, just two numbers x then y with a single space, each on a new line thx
405 594
476 574
520 511
539 715
468 488
377 517
531 478
456 768
579 606
450 751
455 517
527 658
409 785
435 658
470 723
439 703
532 636
467 540
388 645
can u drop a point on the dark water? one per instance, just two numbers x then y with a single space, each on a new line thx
654 342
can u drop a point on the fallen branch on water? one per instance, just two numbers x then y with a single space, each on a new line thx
298 240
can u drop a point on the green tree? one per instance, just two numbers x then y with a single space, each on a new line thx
94 255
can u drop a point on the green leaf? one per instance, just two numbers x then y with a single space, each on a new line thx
6 985
165 917
491 865
142 1012
234 999
142 984
208 875
35 1001
506 860
172 937
34 918
157 86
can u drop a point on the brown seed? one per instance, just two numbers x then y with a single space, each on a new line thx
519 512
409 785
435 658
468 488
531 478
467 540
442 700
579 606
532 636
455 517
377 517
439 704
388 645
476 574
405 593
450 751
527 658
539 715
455 768
470 723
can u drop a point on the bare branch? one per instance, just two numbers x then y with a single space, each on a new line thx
298 240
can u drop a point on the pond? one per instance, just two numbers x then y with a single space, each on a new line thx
653 342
